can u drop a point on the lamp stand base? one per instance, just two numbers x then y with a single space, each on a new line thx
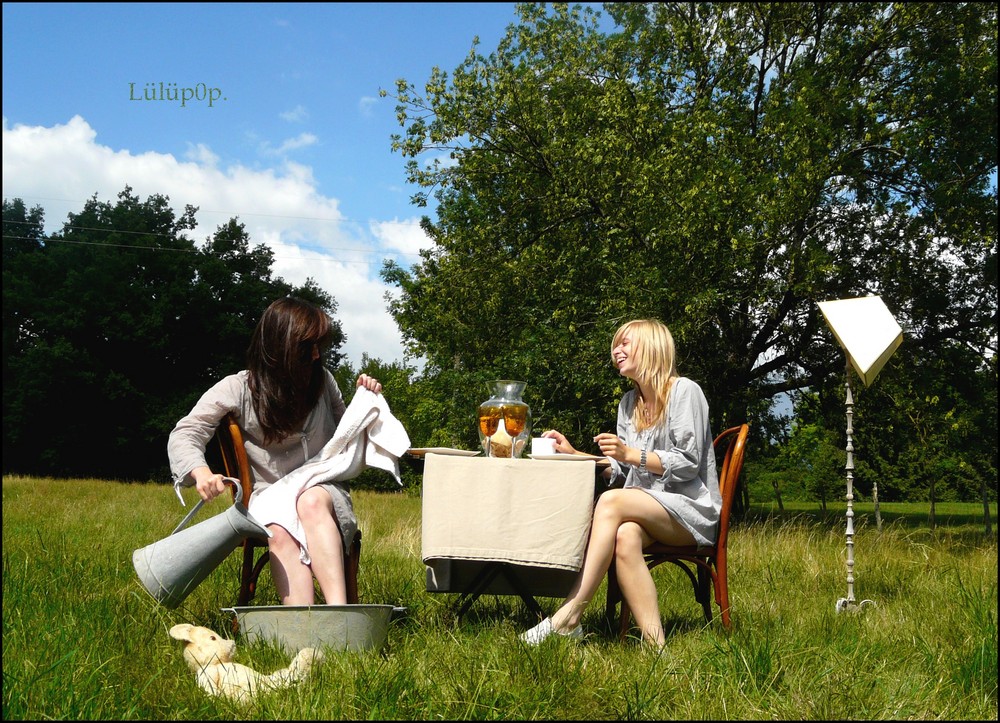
849 606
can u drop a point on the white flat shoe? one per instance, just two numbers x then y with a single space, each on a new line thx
544 629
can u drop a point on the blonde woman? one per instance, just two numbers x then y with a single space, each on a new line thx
663 449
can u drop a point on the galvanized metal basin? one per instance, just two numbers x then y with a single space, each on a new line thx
336 627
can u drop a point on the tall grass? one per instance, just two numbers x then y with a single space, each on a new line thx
82 640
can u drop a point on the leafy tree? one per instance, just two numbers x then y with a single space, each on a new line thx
919 430
721 166
813 456
22 229
923 424
115 326
22 236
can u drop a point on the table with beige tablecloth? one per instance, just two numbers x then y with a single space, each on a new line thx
526 518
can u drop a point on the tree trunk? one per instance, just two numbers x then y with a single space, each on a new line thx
781 508
930 519
878 514
986 505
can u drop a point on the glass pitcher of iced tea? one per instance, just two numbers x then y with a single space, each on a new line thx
504 420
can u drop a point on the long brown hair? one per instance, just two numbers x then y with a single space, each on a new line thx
285 381
655 363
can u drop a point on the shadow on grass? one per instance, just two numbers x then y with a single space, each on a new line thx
674 625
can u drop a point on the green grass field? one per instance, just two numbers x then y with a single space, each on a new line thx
83 640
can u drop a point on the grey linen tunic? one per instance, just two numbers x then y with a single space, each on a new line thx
192 433
689 485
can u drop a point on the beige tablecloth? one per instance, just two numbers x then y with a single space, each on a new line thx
524 512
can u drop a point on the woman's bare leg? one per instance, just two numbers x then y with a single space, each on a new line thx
636 582
326 548
596 561
614 509
292 579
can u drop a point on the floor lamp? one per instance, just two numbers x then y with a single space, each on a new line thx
869 335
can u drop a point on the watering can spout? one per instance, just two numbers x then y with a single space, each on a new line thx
173 567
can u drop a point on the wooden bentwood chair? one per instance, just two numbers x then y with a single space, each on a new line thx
708 560
234 459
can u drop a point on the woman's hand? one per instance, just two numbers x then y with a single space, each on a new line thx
562 444
208 484
611 446
370 383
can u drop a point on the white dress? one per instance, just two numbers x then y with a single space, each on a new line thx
689 485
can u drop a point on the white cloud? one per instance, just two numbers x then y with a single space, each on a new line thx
59 168
404 237
295 115
366 104
302 140
199 153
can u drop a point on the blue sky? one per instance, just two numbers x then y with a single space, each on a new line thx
295 141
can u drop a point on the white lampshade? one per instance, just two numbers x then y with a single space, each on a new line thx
867 331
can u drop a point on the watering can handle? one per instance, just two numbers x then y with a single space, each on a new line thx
229 481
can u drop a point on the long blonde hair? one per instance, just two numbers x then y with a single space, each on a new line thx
655 363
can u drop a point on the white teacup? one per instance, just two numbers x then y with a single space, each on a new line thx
542 446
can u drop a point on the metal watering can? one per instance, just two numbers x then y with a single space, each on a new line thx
173 567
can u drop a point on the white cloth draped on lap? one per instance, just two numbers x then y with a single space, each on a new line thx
367 436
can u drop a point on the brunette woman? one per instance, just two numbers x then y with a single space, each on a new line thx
288 406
